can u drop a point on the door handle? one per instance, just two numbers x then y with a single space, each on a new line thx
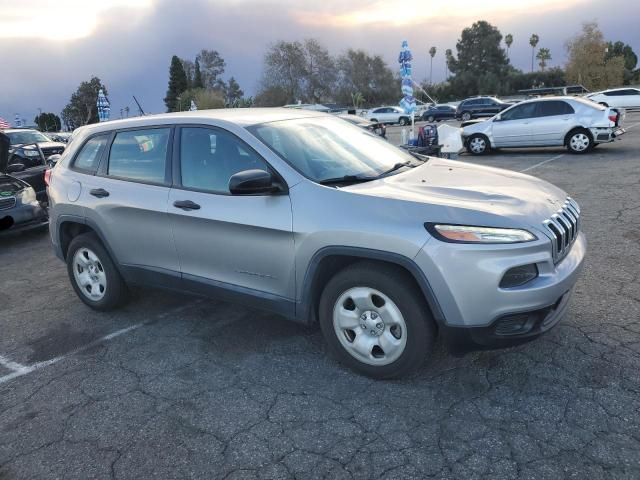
99 192
186 205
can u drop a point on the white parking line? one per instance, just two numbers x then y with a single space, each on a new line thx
630 126
542 163
19 370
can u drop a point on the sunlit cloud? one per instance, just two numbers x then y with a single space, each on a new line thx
59 20
409 12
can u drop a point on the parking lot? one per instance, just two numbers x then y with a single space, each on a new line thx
183 387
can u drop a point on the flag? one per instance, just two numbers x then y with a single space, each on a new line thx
4 124
104 107
408 102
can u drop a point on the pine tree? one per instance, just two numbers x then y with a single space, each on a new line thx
197 77
177 84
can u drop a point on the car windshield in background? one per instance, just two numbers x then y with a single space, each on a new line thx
20 138
327 148
589 102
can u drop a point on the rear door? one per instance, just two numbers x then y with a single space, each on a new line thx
514 129
127 199
241 243
551 123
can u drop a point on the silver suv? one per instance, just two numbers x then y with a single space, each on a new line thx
305 215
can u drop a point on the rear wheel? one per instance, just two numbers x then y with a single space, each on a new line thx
478 144
466 116
404 121
93 274
375 320
579 141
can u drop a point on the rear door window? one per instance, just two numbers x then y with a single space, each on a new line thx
140 155
520 112
554 107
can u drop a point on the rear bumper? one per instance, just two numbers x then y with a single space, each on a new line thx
606 135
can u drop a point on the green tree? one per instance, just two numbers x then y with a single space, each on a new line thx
233 93
432 53
177 84
284 71
197 76
588 63
48 122
448 55
357 99
82 108
620 49
533 41
369 75
319 72
271 96
204 99
481 64
544 55
189 71
508 40
212 65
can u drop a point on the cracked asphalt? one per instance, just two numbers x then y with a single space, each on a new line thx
197 388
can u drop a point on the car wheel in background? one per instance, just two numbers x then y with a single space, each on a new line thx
478 144
579 141
375 320
431 118
404 121
466 116
374 120
93 274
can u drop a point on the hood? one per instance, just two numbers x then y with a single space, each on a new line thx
471 194
10 186
5 144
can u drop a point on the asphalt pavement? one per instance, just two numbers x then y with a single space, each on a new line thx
182 387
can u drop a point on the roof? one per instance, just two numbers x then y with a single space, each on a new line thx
243 117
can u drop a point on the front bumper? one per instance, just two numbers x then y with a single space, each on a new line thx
22 217
465 281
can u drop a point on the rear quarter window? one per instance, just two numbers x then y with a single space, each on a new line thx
88 157
140 155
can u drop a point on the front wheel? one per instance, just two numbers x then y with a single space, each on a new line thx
579 141
478 144
404 121
466 116
376 321
431 118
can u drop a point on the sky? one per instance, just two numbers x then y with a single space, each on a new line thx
49 47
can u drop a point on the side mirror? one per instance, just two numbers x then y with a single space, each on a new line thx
252 182
15 167
53 159
497 118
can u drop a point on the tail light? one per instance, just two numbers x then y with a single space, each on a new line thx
613 116
47 176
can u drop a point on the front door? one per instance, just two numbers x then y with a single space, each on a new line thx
513 128
240 243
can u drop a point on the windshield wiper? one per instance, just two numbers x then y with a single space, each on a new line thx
346 179
397 166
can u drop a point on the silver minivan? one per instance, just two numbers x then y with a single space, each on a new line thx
302 214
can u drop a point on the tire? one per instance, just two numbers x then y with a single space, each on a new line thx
431 119
374 120
403 121
579 141
392 310
466 116
88 261
478 144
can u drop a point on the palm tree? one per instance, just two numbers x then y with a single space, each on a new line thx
533 41
544 54
447 55
357 99
432 52
508 39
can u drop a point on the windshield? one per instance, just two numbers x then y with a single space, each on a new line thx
323 148
28 136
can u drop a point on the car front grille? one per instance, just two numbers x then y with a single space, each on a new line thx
7 203
47 152
563 228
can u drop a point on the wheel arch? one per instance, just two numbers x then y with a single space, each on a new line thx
574 129
70 226
330 260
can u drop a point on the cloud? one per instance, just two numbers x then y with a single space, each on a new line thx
130 48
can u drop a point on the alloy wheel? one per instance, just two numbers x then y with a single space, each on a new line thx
478 145
579 142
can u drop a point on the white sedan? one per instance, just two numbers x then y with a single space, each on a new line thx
573 122
628 98
388 115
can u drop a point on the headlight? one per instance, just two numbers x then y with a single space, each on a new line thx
31 153
28 195
471 234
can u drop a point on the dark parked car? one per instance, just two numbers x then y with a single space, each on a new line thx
373 127
480 107
19 207
30 152
436 113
